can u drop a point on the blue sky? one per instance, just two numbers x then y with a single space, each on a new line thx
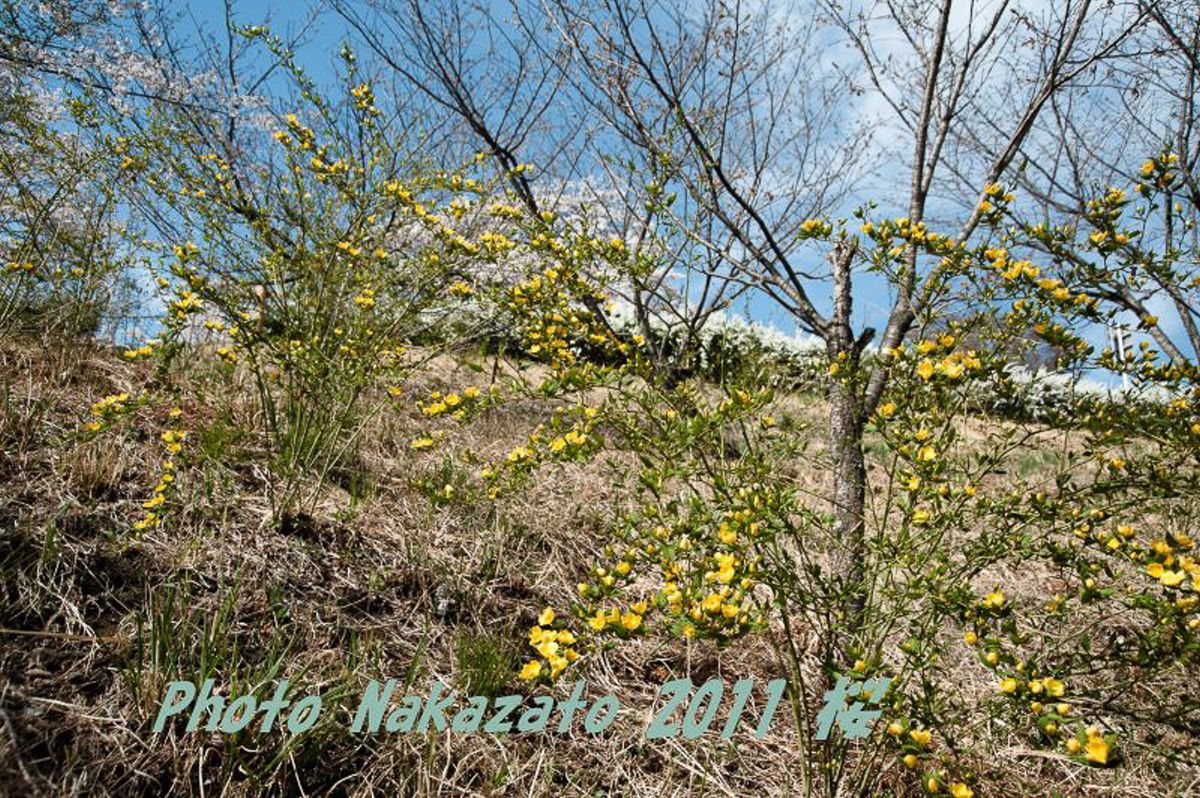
318 53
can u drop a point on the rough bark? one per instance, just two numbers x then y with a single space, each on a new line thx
849 499
846 422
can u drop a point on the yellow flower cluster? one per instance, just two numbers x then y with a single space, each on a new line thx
1158 173
951 366
145 350
995 199
365 299
364 98
549 311
1021 683
553 643
815 228
496 243
455 404
1104 213
574 440
504 211
1091 744
106 409
708 572
1171 565
560 443
1168 560
914 745
1050 290
614 620
172 440
187 304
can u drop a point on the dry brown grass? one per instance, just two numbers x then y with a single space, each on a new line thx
389 589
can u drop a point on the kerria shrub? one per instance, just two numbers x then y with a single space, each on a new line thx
308 261
1020 581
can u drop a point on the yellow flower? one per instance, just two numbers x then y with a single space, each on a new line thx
546 617
994 600
1172 578
895 729
1097 747
910 761
952 368
631 621
1008 685
971 638
921 737
920 517
518 454
960 790
1054 687
532 670
887 409
925 369
815 227
421 443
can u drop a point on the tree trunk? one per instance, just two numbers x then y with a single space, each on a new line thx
846 424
